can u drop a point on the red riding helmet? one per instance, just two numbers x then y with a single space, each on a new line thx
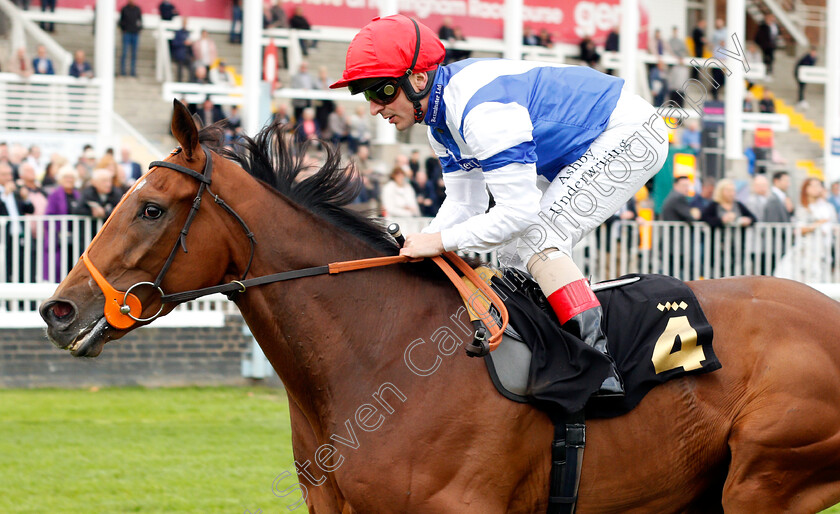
388 47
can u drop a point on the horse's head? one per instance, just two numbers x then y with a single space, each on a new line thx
143 249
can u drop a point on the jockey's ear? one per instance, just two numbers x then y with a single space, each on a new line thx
418 80
184 129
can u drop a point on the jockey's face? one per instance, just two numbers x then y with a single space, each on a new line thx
400 112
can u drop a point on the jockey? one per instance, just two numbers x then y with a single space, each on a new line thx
561 148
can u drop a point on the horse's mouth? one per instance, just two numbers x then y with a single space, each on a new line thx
90 341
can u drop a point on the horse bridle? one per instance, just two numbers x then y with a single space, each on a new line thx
124 313
122 309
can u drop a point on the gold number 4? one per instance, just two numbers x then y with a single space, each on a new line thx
688 357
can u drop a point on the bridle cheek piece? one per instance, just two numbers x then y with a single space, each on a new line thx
122 309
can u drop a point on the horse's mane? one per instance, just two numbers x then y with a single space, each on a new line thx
269 158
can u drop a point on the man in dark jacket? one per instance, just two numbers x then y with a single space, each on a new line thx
14 203
766 38
677 205
131 22
808 59
181 48
99 198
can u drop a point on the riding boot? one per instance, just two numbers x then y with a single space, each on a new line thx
580 313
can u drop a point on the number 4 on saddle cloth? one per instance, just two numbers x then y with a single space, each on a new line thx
655 330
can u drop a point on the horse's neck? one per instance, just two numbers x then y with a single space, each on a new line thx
331 336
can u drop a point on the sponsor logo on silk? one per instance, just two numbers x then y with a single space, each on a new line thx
469 164
436 105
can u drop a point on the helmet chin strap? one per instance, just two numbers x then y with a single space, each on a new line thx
416 96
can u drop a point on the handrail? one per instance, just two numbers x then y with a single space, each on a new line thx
63 58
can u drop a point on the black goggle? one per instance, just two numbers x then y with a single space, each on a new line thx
379 91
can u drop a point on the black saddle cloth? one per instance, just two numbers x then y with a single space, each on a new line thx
656 331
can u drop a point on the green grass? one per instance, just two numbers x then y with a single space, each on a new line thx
143 450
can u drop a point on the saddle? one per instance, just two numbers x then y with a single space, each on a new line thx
656 331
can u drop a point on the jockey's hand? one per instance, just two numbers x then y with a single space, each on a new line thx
422 245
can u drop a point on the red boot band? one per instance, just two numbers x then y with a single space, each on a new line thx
572 299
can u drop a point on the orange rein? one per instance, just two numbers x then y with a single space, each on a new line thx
496 330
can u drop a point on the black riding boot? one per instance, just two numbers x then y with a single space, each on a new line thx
587 325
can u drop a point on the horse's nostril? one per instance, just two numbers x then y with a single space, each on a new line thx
61 310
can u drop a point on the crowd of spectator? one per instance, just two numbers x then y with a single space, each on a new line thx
30 184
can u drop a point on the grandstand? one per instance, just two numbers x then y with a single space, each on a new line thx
61 114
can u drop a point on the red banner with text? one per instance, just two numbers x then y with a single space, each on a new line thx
566 20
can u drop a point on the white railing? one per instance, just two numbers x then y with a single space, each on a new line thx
50 245
696 251
49 103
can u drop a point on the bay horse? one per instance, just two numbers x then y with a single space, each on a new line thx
762 434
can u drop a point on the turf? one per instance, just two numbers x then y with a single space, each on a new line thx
147 450
144 450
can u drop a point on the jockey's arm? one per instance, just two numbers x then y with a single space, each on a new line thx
517 197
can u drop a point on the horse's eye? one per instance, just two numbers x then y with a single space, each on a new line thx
152 211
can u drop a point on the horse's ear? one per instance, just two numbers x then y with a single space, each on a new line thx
184 129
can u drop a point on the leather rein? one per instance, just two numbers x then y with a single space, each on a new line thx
123 308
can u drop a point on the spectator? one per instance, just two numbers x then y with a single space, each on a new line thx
131 22
100 197
767 39
757 200
204 51
588 54
426 196
20 64
545 38
677 45
698 35
34 158
47 5
454 54
86 164
299 21
302 80
17 154
37 196
677 206
167 10
14 203
338 126
414 162
62 201
658 83
200 73
41 63
398 199
80 67
323 108
725 211
810 259
677 78
307 129
690 136
719 37
707 190
131 169
234 119
446 32
834 199
181 48
612 42
210 113
281 115
236 22
277 16
222 75
749 102
779 207
368 199
359 130
529 38
808 59
657 44
767 104
49 182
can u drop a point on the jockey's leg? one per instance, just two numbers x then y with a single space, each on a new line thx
584 194
576 306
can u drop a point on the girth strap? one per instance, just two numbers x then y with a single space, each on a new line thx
566 462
